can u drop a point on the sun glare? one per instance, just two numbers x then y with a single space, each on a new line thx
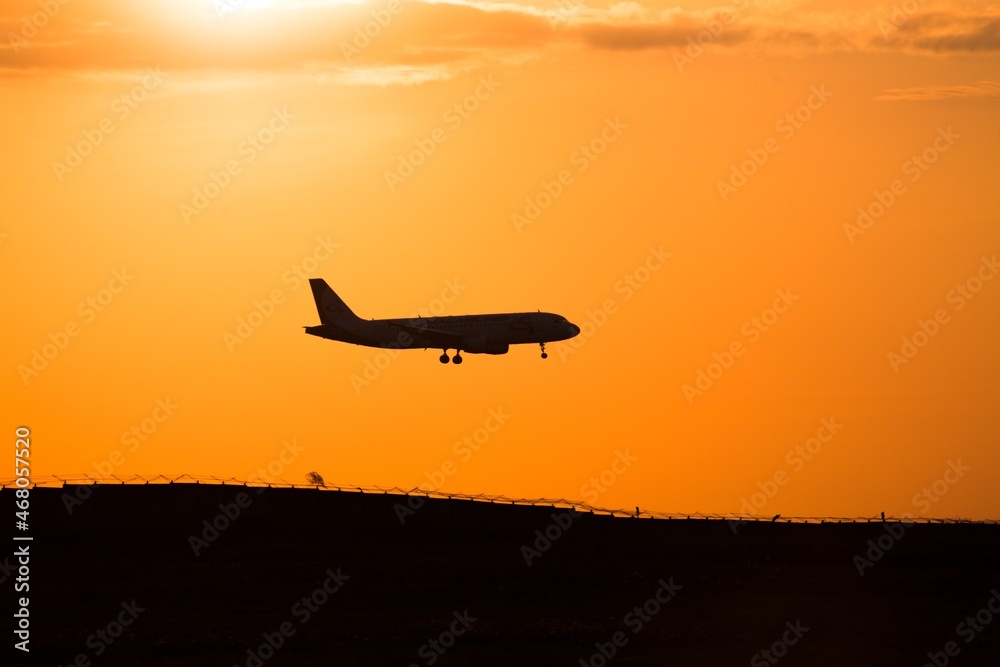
229 6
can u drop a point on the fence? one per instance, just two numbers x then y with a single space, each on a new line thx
84 479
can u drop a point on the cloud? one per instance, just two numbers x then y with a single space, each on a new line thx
425 40
979 90
637 30
765 31
956 31
297 37
392 74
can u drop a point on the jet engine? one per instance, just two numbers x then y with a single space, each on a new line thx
483 345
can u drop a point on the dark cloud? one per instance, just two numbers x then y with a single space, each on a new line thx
983 35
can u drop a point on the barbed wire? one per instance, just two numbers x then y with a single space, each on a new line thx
83 479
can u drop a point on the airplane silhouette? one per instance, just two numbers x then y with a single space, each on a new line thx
475 334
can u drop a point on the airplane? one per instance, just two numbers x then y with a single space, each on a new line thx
475 334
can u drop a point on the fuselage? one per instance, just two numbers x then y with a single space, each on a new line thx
489 334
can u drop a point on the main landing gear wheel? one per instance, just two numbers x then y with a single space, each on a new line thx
444 357
544 353
457 359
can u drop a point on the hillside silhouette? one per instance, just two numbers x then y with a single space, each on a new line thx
198 574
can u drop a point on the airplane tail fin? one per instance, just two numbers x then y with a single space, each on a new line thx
330 306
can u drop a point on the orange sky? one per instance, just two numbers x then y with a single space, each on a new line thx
170 166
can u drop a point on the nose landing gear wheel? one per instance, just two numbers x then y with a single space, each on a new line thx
457 359
444 357
544 353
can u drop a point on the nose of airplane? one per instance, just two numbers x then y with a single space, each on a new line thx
573 330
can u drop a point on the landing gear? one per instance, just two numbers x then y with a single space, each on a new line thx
457 359
544 353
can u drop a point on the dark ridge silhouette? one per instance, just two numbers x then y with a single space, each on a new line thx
450 585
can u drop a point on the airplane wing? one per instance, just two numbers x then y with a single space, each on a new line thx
438 337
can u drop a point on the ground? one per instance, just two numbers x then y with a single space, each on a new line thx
138 574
